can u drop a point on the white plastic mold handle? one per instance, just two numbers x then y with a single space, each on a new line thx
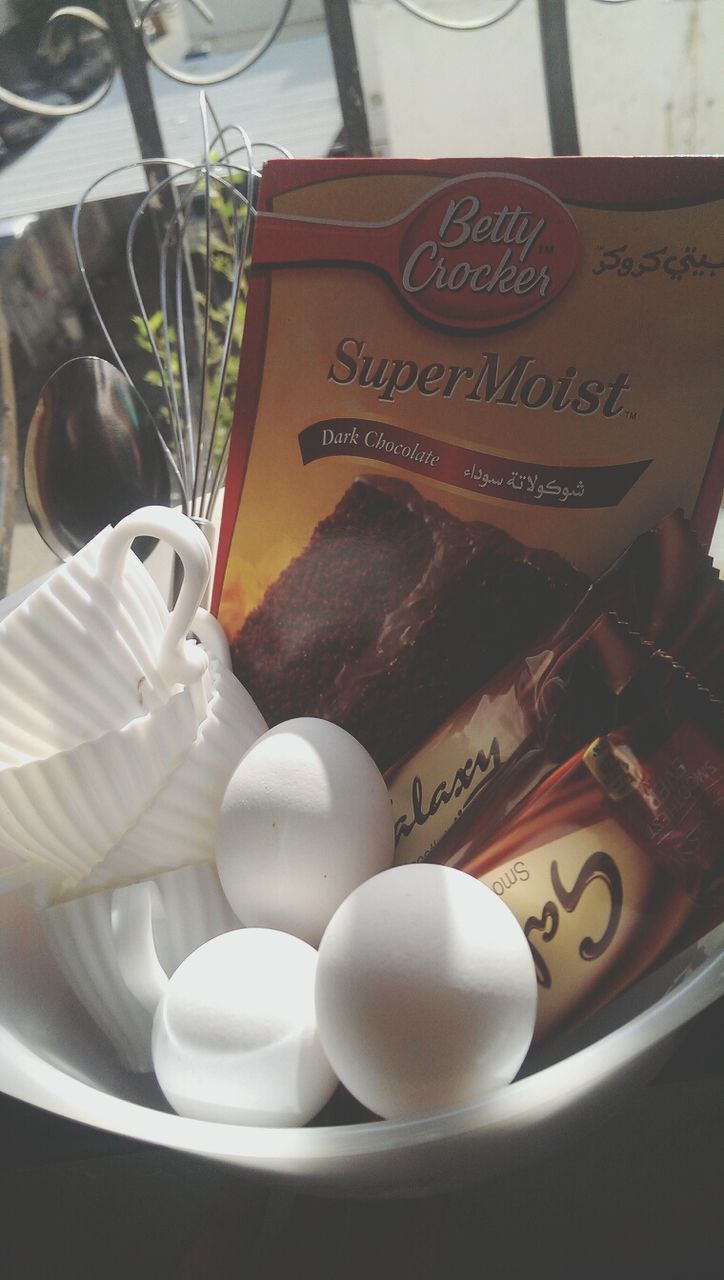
212 636
133 911
177 661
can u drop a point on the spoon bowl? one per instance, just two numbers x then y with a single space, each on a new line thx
93 455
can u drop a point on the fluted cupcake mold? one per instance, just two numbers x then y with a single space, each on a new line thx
80 935
65 812
179 825
94 647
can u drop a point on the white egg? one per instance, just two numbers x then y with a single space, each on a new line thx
305 819
235 1036
426 991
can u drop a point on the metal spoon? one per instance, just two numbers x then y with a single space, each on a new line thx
93 455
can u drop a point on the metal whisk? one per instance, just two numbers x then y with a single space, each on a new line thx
202 217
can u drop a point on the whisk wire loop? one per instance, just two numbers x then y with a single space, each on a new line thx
203 216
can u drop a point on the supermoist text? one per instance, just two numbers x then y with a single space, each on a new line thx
493 381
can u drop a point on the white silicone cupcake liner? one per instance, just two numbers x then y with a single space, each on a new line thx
140 592
135 607
72 672
80 934
138 632
45 666
52 706
195 909
67 811
179 826
140 618
32 731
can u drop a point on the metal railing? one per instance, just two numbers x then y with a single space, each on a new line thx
128 31
132 48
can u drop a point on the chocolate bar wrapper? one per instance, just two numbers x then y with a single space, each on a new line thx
616 859
579 683
502 742
669 591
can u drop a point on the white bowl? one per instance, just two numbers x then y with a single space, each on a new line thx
53 1056
60 1061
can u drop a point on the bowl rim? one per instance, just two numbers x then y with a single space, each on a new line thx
528 1100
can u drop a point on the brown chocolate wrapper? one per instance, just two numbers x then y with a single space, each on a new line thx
584 680
503 742
668 590
616 859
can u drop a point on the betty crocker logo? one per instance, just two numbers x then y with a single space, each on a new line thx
488 250
476 253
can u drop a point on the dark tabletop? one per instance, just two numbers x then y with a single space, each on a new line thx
640 1196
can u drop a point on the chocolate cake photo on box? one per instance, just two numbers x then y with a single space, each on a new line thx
394 613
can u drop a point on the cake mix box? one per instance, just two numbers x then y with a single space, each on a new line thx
466 387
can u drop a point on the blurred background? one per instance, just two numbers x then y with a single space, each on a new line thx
88 91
